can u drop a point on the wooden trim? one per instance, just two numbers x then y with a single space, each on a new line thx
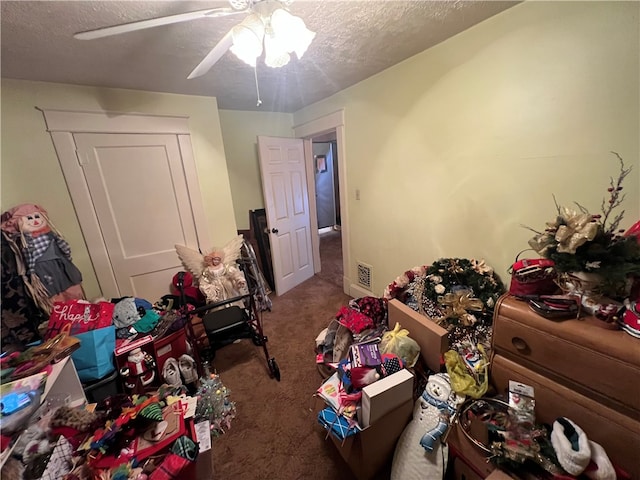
195 194
319 125
87 218
77 121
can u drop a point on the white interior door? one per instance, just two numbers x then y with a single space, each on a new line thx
139 193
284 184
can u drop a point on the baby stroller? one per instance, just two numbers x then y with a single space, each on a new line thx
224 322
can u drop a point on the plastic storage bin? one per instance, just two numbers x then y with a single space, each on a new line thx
103 388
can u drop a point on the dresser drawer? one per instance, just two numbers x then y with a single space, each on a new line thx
575 352
618 434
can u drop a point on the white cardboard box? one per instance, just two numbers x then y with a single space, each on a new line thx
385 395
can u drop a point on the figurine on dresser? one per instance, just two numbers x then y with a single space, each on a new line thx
420 452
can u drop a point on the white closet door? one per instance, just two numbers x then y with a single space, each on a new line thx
139 193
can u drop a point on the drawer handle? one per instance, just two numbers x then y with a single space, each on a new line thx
520 344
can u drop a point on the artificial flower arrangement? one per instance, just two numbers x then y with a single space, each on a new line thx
578 241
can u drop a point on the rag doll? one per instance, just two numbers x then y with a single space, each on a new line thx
50 272
420 453
218 277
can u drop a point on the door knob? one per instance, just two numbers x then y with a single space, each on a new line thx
274 230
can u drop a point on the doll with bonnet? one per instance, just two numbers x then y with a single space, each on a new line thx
46 256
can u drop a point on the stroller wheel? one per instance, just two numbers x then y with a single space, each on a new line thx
258 340
274 369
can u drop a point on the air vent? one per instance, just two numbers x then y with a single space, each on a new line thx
364 275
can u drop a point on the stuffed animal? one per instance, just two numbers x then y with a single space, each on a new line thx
419 454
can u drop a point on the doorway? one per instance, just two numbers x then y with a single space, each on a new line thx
334 125
327 196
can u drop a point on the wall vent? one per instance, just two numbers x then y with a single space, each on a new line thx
364 275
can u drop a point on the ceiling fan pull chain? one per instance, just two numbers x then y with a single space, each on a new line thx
255 72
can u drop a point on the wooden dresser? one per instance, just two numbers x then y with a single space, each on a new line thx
578 369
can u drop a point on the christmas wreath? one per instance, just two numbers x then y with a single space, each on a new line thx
457 293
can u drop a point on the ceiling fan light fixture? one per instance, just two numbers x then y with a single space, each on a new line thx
290 32
276 54
247 39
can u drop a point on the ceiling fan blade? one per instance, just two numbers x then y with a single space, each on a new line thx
154 22
213 56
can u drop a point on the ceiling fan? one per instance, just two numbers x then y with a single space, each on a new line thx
268 26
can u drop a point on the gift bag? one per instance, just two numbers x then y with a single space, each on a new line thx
95 358
81 315
532 276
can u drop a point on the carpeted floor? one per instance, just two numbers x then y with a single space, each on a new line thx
275 435
331 257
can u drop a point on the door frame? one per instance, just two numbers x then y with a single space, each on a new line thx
306 131
63 124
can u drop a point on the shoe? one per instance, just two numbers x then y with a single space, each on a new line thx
630 321
188 369
571 446
171 372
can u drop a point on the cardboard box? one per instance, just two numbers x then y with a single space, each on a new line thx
432 338
370 450
385 395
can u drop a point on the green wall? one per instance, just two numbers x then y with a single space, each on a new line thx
456 148
240 130
31 172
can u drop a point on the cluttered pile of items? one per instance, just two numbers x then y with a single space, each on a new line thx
142 407
402 371
378 355
48 434
108 388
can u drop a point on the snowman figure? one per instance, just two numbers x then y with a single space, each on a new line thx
418 453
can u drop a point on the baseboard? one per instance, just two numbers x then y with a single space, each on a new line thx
356 291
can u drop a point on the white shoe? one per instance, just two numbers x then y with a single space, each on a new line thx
188 369
171 372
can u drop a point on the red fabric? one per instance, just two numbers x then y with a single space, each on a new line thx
170 467
73 436
5 441
355 321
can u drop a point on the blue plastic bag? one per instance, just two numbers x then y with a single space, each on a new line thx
95 358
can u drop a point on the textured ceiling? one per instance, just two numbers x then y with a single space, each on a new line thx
355 39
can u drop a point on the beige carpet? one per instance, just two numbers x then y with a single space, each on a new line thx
276 435
331 257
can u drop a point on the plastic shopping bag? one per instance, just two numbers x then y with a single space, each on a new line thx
398 342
